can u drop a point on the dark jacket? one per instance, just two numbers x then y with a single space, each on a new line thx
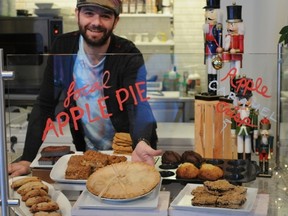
126 66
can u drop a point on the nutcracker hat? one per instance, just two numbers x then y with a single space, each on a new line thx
112 5
212 4
234 13
265 124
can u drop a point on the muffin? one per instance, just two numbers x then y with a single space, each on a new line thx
171 157
210 172
192 157
187 171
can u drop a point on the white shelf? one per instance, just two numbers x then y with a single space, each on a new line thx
146 15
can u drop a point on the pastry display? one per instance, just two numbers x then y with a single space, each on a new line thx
55 151
233 170
51 154
78 171
19 182
187 171
218 187
35 194
44 161
210 172
220 194
123 180
192 157
171 157
80 167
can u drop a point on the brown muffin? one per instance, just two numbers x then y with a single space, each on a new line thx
192 157
210 172
171 157
187 171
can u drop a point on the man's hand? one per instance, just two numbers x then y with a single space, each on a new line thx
145 153
19 168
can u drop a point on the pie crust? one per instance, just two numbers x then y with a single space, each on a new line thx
125 180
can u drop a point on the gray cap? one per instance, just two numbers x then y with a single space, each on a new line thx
113 5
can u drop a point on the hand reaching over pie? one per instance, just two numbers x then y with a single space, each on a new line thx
145 153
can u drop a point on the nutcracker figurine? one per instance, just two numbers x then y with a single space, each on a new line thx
264 145
245 119
212 30
234 40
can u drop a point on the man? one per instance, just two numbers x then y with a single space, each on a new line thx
104 65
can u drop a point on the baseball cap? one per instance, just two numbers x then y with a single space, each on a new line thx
113 5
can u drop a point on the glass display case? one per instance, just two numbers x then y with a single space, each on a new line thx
175 105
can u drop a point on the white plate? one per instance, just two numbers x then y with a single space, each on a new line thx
183 201
35 162
47 12
150 201
44 5
57 196
58 171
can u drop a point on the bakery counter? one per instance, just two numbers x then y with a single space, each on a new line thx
178 136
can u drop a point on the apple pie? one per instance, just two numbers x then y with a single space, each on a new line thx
125 180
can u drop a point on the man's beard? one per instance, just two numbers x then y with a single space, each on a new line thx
93 42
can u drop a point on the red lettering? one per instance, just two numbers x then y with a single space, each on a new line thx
119 99
224 107
140 91
232 74
133 95
75 116
62 124
89 114
49 126
69 94
106 77
102 107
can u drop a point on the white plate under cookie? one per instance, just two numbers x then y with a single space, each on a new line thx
183 201
57 196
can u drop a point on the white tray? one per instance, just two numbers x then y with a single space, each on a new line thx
58 171
89 201
183 201
57 196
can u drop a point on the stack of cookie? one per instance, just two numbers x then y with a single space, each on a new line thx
36 196
219 194
122 143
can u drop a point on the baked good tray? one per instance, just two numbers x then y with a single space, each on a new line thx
235 171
